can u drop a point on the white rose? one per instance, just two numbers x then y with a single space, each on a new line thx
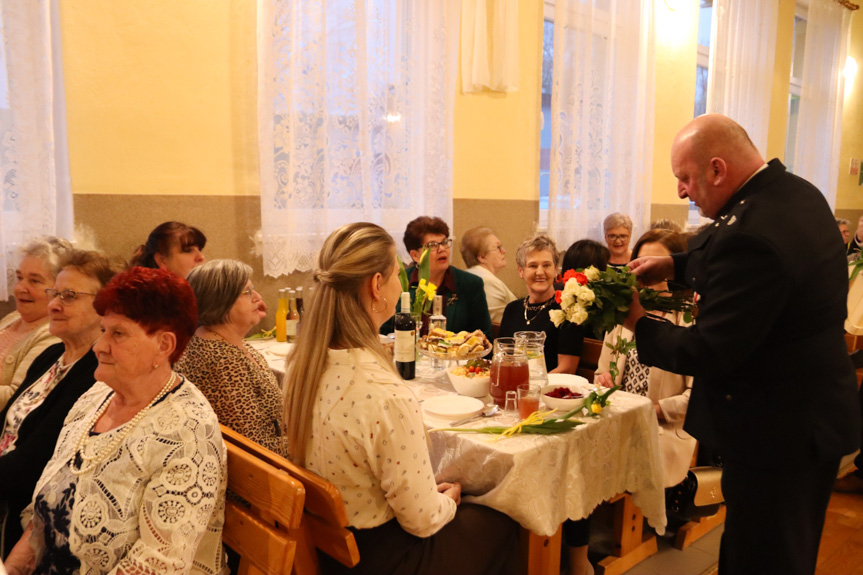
586 296
567 300
572 287
557 317
592 274
578 315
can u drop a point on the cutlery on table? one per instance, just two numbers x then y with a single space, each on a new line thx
489 411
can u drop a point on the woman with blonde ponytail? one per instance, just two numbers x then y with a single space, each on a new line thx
353 421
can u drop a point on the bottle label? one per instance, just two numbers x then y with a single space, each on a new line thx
404 346
291 327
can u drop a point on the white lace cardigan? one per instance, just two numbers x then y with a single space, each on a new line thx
156 505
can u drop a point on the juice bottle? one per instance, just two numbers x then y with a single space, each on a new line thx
281 316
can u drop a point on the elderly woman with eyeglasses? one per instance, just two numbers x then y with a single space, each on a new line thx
235 378
465 306
618 231
24 332
32 420
484 253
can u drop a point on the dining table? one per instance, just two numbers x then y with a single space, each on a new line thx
542 480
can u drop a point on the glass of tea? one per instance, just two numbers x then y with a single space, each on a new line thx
528 399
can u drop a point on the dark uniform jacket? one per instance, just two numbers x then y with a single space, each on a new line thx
772 373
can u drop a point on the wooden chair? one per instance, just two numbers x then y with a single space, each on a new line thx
495 329
587 363
259 531
324 519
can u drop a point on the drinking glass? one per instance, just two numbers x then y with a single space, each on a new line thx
528 399
511 401
536 363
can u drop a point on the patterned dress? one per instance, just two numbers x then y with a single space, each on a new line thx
243 391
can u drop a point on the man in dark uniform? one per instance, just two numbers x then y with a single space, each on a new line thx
774 388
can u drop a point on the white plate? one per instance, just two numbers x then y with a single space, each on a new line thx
568 379
280 349
452 406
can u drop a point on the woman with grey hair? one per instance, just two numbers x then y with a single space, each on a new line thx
618 231
24 332
537 259
485 256
233 376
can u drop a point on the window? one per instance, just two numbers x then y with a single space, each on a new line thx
797 47
705 13
705 17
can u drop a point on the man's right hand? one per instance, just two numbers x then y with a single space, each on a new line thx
652 270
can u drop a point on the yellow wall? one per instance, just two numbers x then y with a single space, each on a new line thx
848 194
496 135
778 127
161 96
676 61
161 100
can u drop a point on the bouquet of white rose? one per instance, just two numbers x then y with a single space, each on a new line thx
601 300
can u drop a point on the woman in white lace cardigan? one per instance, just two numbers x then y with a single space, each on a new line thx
137 480
668 391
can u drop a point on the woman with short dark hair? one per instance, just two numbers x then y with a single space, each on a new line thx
464 302
232 374
172 246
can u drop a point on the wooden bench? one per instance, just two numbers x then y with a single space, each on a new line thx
324 519
589 358
258 528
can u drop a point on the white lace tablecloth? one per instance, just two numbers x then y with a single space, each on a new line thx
540 481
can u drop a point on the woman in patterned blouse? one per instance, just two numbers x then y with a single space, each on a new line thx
354 421
137 480
668 391
235 378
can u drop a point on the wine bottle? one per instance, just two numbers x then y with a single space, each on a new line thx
293 319
404 351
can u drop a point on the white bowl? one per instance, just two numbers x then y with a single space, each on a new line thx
565 404
470 386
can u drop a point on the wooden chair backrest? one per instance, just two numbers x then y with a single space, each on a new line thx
495 329
259 532
324 520
589 358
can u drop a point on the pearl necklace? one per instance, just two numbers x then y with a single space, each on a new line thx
532 308
88 462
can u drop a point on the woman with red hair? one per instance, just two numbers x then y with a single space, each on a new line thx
137 480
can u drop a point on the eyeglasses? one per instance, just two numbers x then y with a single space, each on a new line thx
617 237
435 246
66 296
248 292
497 248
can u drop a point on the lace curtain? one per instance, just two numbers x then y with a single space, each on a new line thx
355 118
37 197
816 152
602 123
740 76
497 70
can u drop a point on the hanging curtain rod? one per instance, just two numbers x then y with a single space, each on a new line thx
849 5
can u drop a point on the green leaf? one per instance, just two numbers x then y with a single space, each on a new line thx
403 276
423 266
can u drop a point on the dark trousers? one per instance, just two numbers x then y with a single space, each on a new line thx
858 461
774 516
479 540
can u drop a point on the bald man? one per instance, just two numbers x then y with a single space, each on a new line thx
774 388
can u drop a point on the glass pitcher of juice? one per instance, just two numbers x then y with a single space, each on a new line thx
509 369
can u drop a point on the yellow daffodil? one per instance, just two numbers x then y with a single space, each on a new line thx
595 408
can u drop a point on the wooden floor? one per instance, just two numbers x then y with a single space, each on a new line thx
841 551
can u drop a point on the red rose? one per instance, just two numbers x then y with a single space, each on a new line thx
580 278
569 275
557 294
